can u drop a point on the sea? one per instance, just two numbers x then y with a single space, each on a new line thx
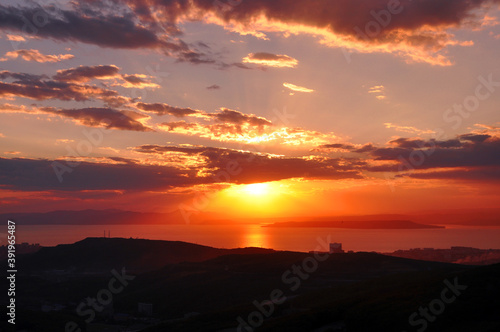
294 239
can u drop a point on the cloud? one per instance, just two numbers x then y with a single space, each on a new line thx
470 156
297 88
418 31
106 31
92 116
64 140
201 165
271 60
40 87
12 152
35 55
408 129
415 30
35 174
344 147
465 154
466 174
250 134
378 90
163 109
138 81
15 38
230 116
257 167
213 87
103 27
102 117
83 74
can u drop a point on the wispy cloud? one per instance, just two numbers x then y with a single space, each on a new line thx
408 129
35 55
297 88
378 91
271 60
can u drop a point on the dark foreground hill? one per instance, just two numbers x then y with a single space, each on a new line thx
338 292
100 255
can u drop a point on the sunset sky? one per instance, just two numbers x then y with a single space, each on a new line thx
250 108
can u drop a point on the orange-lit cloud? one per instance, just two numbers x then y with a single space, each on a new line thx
378 91
297 88
35 55
40 87
102 117
15 38
408 129
271 60
418 31
164 109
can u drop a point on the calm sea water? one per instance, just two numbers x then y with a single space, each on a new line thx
298 239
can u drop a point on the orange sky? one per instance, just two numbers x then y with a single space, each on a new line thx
346 108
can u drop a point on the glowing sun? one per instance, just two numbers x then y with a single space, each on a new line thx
257 189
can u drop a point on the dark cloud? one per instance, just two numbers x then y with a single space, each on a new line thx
163 109
213 87
134 79
476 138
341 16
86 73
101 117
235 117
35 174
474 174
365 148
261 167
409 143
337 146
270 59
39 87
414 29
129 175
470 150
153 24
66 25
112 26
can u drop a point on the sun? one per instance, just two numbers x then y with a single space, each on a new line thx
256 189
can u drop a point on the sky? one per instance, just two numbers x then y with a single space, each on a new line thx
244 108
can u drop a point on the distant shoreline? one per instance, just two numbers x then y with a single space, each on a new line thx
375 224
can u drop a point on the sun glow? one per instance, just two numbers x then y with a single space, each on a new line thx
257 189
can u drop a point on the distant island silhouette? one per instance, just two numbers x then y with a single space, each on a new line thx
356 224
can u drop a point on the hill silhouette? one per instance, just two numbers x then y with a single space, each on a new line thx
137 255
199 288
